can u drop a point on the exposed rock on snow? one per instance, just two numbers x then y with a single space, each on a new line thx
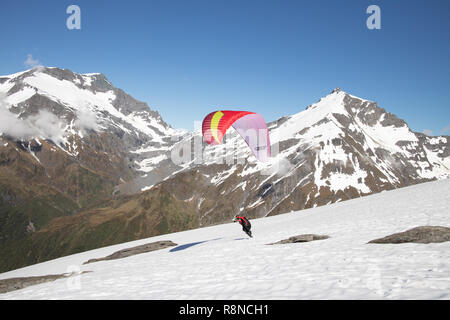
302 238
76 141
343 267
425 234
158 245
12 284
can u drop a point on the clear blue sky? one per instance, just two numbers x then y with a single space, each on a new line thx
189 57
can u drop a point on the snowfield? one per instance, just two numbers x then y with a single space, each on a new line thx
220 262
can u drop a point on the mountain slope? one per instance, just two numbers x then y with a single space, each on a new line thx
74 149
66 145
220 262
339 148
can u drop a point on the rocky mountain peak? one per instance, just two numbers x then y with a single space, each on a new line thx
71 95
106 143
336 90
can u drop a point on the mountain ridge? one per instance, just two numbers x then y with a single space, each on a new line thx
94 161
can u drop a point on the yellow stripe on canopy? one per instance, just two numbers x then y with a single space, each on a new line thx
215 124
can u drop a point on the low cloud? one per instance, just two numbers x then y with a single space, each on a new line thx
427 132
44 124
11 125
32 63
284 166
446 130
86 120
279 167
47 125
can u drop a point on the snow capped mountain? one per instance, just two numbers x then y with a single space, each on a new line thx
83 164
68 141
82 107
82 101
220 262
352 133
339 148
349 142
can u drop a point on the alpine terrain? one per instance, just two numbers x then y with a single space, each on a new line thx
221 262
84 165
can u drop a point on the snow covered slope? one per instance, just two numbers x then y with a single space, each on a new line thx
72 110
78 146
220 262
88 98
339 148
68 141
69 109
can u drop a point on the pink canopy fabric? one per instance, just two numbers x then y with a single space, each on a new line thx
251 126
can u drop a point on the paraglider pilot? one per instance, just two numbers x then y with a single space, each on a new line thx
245 223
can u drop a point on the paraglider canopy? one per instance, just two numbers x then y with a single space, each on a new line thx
250 125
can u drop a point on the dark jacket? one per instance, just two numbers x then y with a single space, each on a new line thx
246 225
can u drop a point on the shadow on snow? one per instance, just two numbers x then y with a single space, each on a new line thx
188 245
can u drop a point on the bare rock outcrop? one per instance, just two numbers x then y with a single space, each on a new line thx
12 284
302 238
423 234
158 245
